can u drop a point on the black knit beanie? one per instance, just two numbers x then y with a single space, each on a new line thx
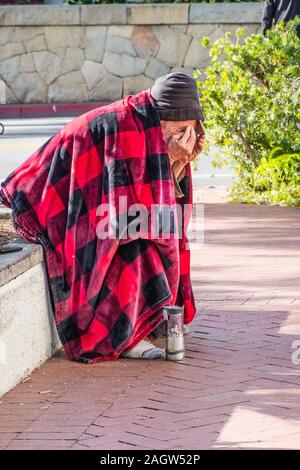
176 98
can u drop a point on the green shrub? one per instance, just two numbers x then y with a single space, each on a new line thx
275 180
283 170
251 99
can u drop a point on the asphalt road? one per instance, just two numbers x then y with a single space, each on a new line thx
23 136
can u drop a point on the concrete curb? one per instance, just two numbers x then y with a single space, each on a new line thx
5 212
47 110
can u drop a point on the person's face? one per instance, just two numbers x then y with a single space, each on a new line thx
185 139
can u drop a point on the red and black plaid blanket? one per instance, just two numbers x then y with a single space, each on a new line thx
107 293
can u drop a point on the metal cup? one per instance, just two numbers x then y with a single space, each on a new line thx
173 315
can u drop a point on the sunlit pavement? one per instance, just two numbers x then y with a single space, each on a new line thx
238 386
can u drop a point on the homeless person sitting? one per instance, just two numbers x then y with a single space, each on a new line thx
107 292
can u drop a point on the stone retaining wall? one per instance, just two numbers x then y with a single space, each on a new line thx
60 53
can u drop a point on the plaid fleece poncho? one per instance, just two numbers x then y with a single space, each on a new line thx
106 294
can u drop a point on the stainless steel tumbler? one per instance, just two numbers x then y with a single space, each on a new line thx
173 315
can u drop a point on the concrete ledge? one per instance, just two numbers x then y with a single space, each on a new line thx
168 14
28 334
16 263
158 14
226 13
103 14
39 15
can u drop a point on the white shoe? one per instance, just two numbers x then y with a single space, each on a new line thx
144 350
186 329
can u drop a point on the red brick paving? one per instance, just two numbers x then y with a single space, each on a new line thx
237 387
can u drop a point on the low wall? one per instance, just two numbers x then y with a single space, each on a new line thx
69 53
27 331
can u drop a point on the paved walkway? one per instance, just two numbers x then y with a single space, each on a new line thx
237 387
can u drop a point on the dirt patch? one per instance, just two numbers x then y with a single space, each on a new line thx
7 232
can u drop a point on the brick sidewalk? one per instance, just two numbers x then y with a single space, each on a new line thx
237 387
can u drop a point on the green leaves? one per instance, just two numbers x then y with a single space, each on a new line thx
251 101
205 41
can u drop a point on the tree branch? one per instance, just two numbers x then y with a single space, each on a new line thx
248 148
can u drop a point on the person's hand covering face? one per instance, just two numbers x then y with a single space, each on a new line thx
184 146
